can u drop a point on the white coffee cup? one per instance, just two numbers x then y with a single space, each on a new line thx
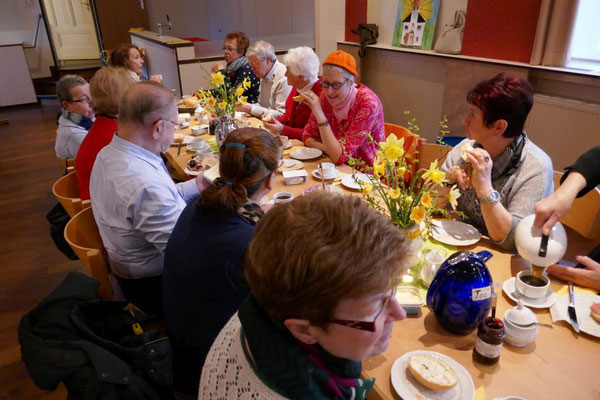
282 197
197 144
327 169
529 290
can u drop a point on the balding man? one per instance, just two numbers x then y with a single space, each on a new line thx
135 202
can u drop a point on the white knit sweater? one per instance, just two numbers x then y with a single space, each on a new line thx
227 374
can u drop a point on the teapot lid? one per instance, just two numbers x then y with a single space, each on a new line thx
520 314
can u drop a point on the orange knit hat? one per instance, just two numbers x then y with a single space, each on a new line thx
342 59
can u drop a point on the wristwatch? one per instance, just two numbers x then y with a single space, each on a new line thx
492 197
323 123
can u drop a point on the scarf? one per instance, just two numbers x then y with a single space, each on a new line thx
78 119
341 110
507 162
293 369
233 66
251 212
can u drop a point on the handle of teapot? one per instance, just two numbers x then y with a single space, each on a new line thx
484 255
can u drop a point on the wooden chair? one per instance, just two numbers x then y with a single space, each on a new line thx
431 152
67 163
83 236
584 215
412 142
66 190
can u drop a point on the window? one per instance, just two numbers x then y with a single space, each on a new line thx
585 43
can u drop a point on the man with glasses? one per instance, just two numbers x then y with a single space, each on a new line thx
274 88
135 202
77 115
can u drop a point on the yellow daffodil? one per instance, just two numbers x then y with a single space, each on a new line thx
246 83
418 214
392 147
426 200
222 105
239 91
434 174
366 187
243 100
217 78
211 102
379 168
408 200
200 94
393 193
453 196
401 171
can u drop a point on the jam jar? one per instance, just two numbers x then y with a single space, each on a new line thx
488 344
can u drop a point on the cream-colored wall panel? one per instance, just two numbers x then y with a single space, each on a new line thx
273 17
330 21
161 60
303 17
194 76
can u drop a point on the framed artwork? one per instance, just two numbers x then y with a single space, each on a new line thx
415 23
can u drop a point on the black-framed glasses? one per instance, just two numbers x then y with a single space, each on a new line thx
367 325
335 85
177 125
229 49
84 99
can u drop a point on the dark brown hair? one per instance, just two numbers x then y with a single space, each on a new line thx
119 57
319 249
241 41
243 170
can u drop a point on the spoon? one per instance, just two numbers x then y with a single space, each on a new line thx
532 324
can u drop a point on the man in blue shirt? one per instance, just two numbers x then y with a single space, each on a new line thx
135 202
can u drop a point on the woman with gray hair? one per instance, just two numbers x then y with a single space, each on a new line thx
344 114
303 76
76 119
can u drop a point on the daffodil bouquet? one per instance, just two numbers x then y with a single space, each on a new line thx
409 199
223 98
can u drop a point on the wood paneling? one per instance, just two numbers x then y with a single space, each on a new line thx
30 265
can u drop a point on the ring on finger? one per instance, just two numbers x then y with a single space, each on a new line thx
486 159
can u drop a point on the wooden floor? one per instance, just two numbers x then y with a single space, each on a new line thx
30 264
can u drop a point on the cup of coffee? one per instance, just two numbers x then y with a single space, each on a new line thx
282 197
327 169
532 286
197 144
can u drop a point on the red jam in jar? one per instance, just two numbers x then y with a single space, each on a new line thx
489 341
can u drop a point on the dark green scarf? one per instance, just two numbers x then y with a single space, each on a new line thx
294 369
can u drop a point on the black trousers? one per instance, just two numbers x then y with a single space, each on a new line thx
146 293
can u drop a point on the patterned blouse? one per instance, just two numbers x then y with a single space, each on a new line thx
365 116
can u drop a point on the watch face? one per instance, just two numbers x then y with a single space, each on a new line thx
494 196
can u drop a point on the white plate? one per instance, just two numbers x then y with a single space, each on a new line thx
351 183
409 389
543 302
583 302
186 140
317 174
305 153
455 233
212 174
190 172
290 165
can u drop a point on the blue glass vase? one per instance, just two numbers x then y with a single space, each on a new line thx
460 294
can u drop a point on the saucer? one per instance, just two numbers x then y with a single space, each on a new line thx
317 174
543 302
305 153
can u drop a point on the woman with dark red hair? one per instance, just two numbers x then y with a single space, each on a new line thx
501 174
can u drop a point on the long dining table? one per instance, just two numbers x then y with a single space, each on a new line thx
559 364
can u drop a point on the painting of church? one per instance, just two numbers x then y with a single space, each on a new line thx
415 23
413 28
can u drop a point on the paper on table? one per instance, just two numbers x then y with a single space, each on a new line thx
583 301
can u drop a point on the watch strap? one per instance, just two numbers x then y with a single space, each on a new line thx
492 197
323 123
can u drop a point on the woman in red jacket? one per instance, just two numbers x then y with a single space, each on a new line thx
302 74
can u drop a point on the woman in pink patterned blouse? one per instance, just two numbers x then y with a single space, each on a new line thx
344 114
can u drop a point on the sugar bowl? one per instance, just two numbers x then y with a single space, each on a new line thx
520 325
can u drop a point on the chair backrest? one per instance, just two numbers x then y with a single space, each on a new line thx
67 163
83 236
412 142
431 152
67 192
584 215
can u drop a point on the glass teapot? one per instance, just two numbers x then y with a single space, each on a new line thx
461 292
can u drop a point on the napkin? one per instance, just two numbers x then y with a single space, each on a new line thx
212 143
480 393
583 301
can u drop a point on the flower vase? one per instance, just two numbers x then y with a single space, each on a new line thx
224 127
415 247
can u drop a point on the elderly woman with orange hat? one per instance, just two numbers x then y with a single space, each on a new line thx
344 114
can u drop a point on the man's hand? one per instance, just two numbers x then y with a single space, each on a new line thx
247 108
587 277
201 182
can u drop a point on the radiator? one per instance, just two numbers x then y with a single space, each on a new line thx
563 128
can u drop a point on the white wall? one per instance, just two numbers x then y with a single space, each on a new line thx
17 25
329 25
189 17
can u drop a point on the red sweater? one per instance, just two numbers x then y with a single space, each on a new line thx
100 134
297 114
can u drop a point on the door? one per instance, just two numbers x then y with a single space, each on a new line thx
72 29
116 17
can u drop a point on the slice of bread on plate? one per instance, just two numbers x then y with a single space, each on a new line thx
432 372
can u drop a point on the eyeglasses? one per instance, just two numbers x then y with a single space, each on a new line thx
335 85
177 125
229 49
84 99
367 325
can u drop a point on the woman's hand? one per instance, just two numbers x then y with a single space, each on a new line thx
460 174
274 126
157 78
481 177
247 108
312 100
587 277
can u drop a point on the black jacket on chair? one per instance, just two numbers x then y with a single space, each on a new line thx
74 336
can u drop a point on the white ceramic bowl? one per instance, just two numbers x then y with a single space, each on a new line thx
533 292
